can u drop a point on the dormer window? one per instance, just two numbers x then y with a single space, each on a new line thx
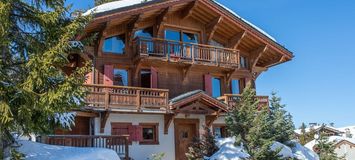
115 44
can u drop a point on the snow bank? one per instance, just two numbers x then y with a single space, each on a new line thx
285 151
303 153
228 151
111 6
38 151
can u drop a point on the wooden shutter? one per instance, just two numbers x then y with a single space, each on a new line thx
153 78
108 75
139 133
131 131
208 84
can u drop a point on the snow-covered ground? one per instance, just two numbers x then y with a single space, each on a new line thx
228 151
38 151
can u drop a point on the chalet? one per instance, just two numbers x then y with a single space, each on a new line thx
162 70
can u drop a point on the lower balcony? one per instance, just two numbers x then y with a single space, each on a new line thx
130 99
232 100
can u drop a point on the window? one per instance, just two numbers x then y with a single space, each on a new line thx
120 77
235 86
216 87
115 45
145 78
220 131
189 37
243 62
149 133
172 35
146 32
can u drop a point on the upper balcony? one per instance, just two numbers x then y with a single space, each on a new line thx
183 52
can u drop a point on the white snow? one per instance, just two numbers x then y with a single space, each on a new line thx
302 153
334 139
66 120
228 151
350 128
111 6
125 3
285 152
38 151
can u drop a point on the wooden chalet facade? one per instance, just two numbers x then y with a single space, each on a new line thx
163 69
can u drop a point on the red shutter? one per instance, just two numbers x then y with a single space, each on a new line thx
108 75
153 78
131 131
208 84
139 133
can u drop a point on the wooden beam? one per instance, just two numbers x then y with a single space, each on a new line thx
209 119
132 25
236 39
86 114
256 54
103 118
276 61
168 118
211 28
229 76
188 10
185 71
161 19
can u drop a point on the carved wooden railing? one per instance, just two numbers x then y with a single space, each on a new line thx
186 52
118 143
126 98
232 99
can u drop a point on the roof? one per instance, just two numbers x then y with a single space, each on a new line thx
190 98
334 139
116 6
318 127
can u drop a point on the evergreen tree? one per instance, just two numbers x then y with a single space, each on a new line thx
34 44
326 149
252 126
303 136
204 147
283 126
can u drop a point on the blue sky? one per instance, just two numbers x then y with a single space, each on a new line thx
318 85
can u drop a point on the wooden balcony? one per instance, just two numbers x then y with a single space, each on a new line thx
232 99
191 53
122 98
116 143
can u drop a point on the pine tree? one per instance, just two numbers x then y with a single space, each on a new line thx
283 126
252 126
326 149
303 135
204 147
35 43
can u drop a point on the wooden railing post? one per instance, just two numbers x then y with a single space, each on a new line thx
138 100
126 149
107 98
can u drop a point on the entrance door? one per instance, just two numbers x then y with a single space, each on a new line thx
185 131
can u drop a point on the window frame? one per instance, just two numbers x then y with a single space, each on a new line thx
114 53
155 127
239 85
223 127
181 31
128 75
220 85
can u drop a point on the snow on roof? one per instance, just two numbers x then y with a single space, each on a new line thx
316 128
36 151
246 21
185 95
301 152
350 128
334 139
125 3
111 6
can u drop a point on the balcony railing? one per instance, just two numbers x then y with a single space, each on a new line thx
232 99
116 143
127 98
177 51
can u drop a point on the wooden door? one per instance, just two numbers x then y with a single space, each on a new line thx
185 131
